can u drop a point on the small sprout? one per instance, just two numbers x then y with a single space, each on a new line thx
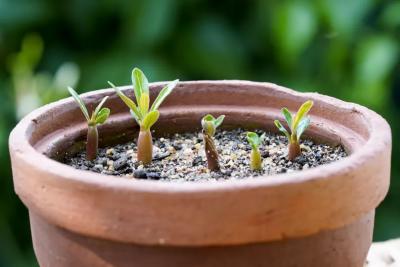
255 156
297 125
144 114
99 116
210 124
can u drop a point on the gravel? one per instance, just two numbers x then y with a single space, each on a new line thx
181 157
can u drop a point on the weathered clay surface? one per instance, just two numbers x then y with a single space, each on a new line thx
346 246
280 207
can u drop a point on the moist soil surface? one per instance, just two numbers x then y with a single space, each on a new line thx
181 157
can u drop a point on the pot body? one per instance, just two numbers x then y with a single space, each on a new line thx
345 246
317 217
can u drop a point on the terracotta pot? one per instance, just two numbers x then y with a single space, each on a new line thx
317 217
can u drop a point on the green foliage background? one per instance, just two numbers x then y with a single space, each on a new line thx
346 49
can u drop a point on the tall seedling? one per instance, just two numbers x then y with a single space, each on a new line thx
99 116
141 111
210 124
297 123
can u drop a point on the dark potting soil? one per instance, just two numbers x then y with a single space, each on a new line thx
181 157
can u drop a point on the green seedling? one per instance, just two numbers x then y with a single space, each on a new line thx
210 124
255 156
141 111
297 125
99 116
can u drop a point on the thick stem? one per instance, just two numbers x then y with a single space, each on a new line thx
255 160
211 152
92 142
145 147
294 150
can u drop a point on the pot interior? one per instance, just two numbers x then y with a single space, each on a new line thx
250 107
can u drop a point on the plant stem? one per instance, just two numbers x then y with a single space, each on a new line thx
211 152
255 159
92 142
145 147
294 150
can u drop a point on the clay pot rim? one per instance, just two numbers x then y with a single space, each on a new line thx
378 129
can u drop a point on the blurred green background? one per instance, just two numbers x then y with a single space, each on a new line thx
346 49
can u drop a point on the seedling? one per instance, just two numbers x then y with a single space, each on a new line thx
255 156
99 116
297 125
210 124
143 115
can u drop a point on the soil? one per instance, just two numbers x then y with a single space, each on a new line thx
181 157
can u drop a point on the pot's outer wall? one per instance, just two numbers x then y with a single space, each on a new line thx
343 247
203 214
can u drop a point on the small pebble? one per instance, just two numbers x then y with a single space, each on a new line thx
197 160
153 175
161 156
140 174
265 154
121 163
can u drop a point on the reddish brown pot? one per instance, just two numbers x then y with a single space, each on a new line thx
317 217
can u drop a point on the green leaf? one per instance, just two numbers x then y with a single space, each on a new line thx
102 115
140 83
144 104
254 140
281 128
219 120
78 100
150 119
99 106
288 117
208 124
134 116
303 125
303 110
163 94
129 102
209 117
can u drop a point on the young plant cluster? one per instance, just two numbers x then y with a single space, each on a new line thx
297 123
146 116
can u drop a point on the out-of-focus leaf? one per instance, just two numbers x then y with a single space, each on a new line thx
375 59
345 17
390 16
149 29
212 46
294 25
66 75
